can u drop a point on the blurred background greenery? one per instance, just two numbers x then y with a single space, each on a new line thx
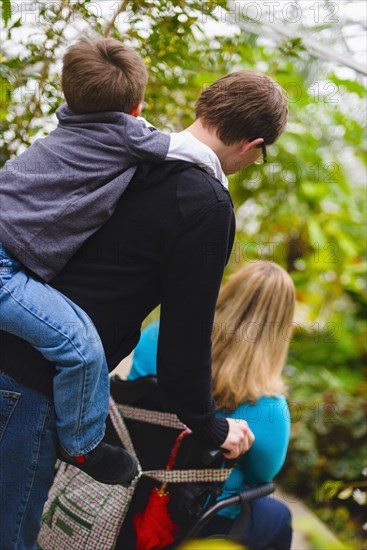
305 209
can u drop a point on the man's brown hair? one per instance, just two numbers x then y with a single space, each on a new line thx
103 75
243 105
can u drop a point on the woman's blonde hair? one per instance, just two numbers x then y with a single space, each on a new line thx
251 334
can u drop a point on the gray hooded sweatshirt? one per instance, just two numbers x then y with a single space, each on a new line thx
65 186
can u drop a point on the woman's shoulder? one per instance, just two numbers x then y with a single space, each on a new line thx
278 403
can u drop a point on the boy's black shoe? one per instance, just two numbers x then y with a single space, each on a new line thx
106 463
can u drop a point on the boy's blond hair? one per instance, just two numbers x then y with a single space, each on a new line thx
251 334
243 105
103 75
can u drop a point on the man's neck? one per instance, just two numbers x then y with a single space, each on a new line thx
211 140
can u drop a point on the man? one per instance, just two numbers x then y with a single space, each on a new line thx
167 243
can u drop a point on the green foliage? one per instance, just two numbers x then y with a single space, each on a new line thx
305 209
328 430
5 11
328 448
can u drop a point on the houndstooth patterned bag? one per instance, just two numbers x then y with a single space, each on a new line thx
82 514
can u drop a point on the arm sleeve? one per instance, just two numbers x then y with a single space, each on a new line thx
145 143
193 273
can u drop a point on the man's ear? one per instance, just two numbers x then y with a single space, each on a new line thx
137 110
246 145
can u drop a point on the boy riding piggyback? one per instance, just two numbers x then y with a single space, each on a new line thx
53 197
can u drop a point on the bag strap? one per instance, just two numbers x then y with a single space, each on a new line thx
167 420
189 476
120 427
163 419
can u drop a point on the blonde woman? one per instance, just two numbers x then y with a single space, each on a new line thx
251 336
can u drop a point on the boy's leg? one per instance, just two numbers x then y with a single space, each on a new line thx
27 458
65 335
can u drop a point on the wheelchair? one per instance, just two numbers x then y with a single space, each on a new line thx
192 504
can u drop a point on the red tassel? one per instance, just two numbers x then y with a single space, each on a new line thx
154 527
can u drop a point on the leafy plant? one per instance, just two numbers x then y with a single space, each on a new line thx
328 448
305 209
5 11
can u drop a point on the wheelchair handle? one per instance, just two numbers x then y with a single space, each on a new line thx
245 496
211 455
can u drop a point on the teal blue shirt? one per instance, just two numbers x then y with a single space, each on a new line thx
268 418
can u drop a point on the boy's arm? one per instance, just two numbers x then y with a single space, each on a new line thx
146 122
183 146
142 141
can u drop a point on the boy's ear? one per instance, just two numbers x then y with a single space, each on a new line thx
136 110
246 145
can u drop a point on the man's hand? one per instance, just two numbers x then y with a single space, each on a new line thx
239 438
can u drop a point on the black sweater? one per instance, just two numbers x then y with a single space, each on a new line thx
166 243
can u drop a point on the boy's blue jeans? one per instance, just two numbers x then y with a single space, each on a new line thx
66 336
27 459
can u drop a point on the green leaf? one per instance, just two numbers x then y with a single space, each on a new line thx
328 490
350 85
347 245
16 24
5 11
314 190
316 233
